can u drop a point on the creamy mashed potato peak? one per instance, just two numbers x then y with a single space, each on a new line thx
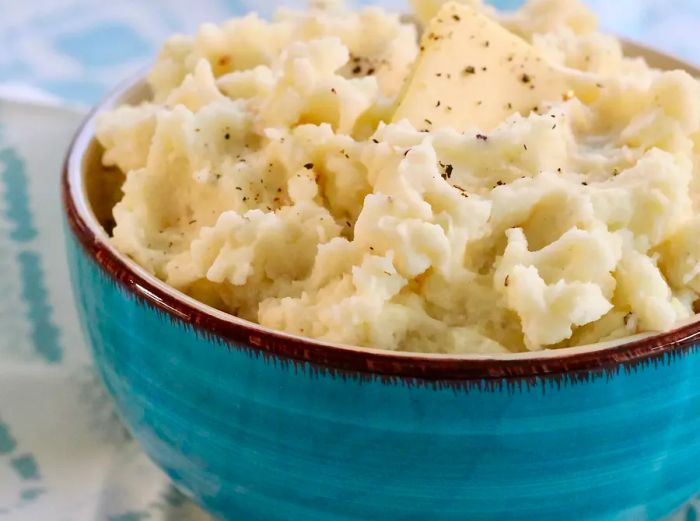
468 182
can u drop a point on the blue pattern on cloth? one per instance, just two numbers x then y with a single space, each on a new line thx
63 452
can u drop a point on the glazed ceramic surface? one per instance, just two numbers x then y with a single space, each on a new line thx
261 426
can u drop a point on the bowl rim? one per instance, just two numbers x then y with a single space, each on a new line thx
581 363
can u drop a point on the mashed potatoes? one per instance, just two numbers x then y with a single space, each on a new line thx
266 178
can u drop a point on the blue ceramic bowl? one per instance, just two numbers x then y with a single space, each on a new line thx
259 425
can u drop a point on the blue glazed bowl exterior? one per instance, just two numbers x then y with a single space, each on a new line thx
258 438
261 428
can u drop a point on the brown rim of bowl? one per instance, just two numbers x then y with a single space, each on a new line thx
461 371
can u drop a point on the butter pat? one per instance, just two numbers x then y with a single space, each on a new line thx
472 72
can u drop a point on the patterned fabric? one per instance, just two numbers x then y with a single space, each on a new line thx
63 452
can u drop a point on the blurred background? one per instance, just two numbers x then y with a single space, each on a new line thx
74 50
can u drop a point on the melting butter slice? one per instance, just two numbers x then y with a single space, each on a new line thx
472 72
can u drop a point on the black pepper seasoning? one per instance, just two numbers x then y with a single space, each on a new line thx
309 166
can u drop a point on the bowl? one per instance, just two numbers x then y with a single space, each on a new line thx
260 425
